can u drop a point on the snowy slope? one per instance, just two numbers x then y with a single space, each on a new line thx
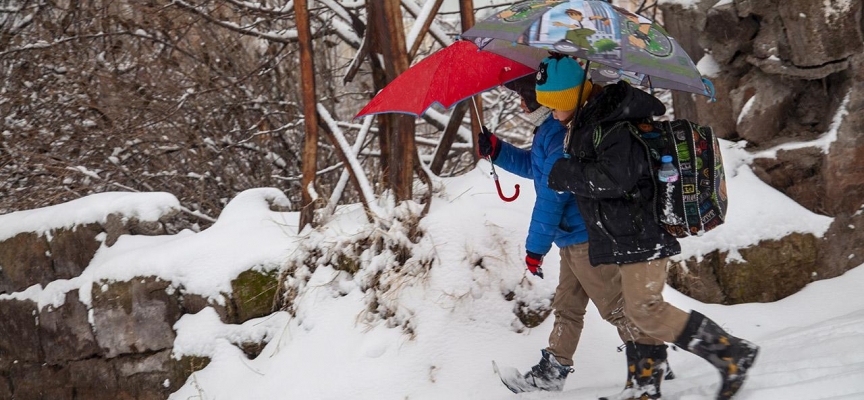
462 321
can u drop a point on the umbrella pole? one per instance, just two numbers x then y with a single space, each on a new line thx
476 110
584 79
493 173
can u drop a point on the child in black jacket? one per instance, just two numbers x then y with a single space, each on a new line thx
610 173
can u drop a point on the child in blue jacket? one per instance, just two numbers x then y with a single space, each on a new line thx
556 219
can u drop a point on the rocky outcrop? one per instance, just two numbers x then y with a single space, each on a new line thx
788 72
56 353
31 258
120 346
65 333
141 377
134 317
772 270
116 340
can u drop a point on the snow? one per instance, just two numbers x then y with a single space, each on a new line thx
708 66
90 209
834 9
457 310
746 109
461 321
246 236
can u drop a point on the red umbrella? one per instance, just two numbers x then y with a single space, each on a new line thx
452 74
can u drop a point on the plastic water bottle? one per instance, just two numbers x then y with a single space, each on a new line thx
667 172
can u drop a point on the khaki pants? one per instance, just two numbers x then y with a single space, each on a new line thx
642 284
578 283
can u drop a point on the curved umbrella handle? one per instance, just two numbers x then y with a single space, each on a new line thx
501 194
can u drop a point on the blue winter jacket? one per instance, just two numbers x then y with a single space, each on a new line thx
556 217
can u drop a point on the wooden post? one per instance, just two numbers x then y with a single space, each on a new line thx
401 148
310 123
466 12
379 79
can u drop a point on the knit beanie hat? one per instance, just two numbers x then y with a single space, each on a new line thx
559 81
524 87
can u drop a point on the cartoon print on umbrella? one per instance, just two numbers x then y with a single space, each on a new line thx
645 35
578 33
583 29
627 45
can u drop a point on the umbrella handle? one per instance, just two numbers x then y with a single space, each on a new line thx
501 194
494 174
498 185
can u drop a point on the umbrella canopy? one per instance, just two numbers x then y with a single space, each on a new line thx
627 45
447 77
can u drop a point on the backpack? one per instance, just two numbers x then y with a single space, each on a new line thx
696 203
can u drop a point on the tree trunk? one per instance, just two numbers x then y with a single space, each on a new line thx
398 146
310 123
466 12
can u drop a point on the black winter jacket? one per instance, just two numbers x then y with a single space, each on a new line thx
610 173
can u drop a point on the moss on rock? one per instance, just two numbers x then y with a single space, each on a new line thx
253 293
773 270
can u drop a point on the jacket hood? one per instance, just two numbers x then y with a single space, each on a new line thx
620 101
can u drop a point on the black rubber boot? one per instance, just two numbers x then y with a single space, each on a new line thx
646 367
730 355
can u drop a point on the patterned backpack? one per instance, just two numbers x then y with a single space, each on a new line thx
696 203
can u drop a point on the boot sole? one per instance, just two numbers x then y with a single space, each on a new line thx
624 396
519 383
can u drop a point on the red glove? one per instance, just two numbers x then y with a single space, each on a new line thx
534 261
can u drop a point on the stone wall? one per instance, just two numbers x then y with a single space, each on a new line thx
120 347
787 70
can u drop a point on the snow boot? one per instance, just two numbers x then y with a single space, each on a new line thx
730 355
548 374
646 368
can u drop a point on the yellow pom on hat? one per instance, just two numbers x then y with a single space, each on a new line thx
558 83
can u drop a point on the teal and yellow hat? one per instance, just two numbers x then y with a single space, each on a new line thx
558 83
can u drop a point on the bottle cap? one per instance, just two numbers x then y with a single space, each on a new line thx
666 159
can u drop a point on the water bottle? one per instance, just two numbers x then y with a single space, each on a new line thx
667 172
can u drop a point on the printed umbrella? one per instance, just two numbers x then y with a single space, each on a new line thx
629 46
452 74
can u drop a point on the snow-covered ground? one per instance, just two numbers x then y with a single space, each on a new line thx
456 309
